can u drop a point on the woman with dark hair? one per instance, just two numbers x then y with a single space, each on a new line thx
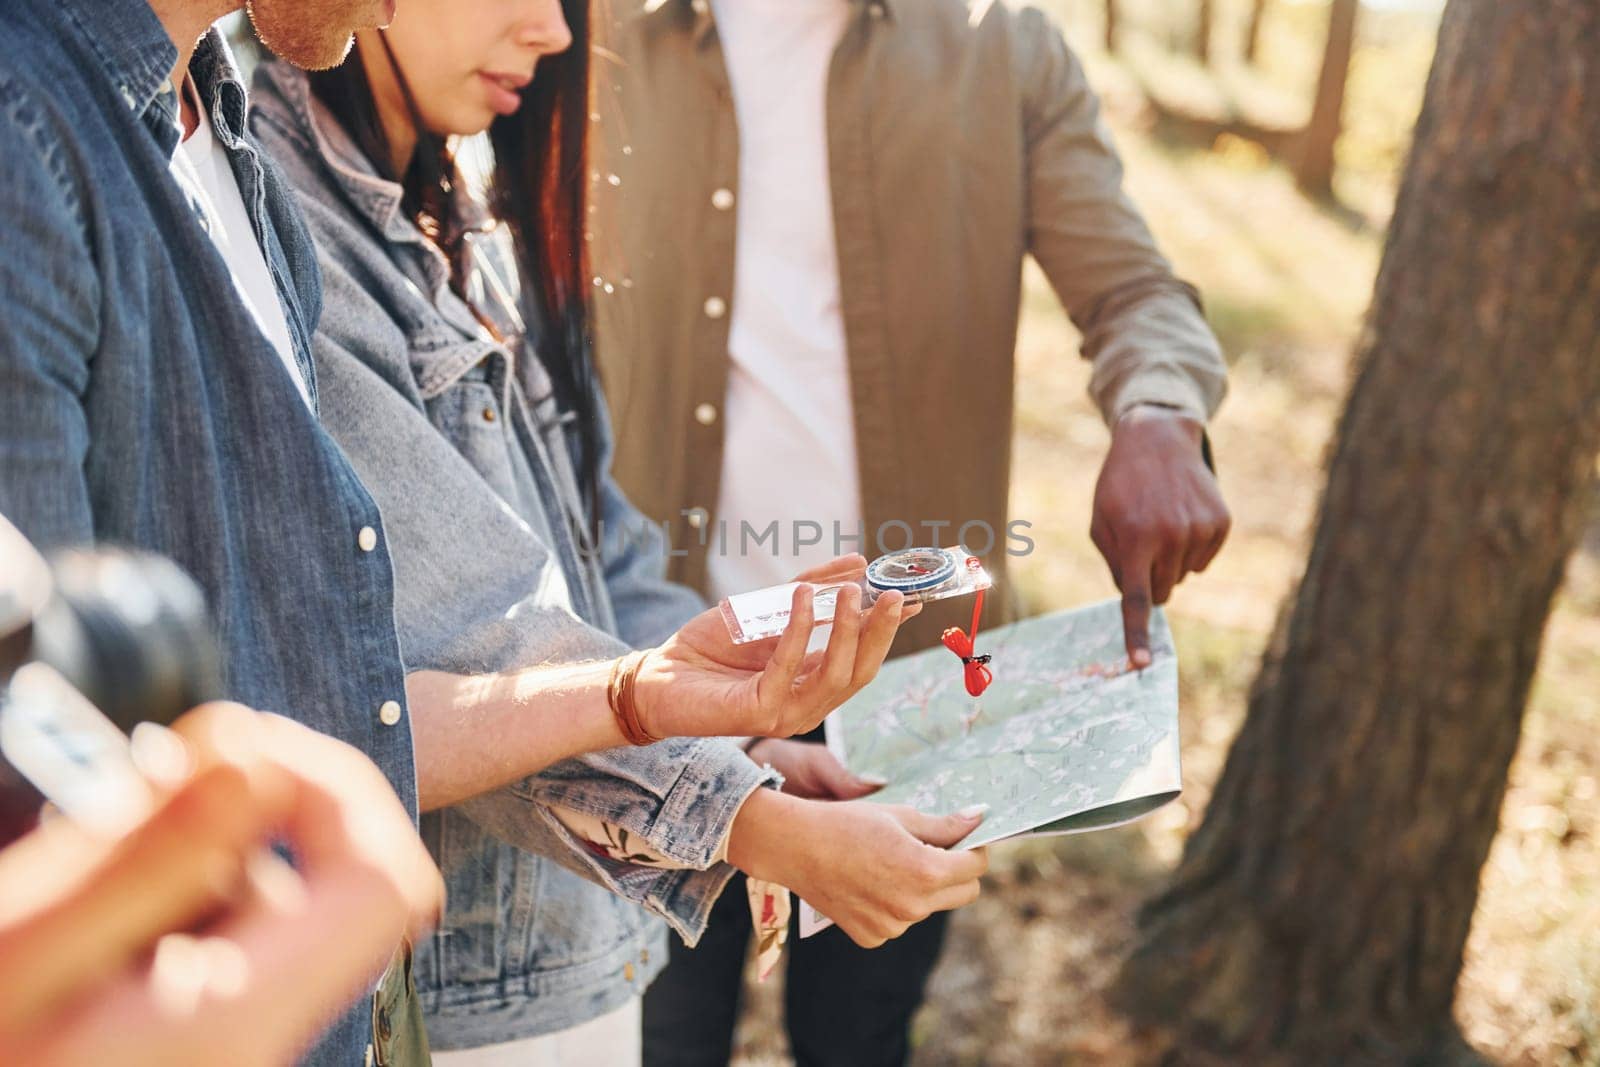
452 365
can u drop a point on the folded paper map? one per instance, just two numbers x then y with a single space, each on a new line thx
1066 739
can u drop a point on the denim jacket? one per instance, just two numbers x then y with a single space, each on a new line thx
139 401
459 437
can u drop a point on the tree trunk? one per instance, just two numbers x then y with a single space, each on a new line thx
1111 25
1314 162
1252 30
1320 912
1202 32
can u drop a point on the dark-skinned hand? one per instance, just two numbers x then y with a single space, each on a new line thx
1158 514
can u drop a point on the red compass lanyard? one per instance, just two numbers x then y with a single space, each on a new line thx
978 675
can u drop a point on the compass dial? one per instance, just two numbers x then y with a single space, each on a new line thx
912 570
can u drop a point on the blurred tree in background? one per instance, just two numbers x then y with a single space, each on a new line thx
1252 32
1319 913
1314 151
1205 16
1215 98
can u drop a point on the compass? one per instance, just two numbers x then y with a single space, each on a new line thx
912 570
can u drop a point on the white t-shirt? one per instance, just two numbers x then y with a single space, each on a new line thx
200 165
789 447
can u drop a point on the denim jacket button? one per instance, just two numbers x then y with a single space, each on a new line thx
389 712
367 539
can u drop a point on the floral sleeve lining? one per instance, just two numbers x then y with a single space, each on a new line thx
770 904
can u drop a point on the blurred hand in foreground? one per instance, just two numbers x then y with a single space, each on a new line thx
187 940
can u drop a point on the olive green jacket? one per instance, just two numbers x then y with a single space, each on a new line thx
962 137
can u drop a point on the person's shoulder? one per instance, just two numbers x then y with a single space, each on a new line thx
1022 36
971 20
37 78
41 156
969 13
47 61
991 28
58 103
29 43
1030 23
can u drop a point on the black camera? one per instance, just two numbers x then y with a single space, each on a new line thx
127 630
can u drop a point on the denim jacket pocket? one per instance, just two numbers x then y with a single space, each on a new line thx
469 414
479 875
513 916
577 922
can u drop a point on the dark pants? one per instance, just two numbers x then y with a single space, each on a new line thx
846 1006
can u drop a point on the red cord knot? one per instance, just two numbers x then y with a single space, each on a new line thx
975 668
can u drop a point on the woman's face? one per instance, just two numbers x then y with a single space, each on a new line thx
467 61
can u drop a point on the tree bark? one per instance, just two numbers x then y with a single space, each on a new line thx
1252 30
1315 159
1112 24
1319 914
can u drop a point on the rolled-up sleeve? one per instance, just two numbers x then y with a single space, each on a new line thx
683 816
1142 328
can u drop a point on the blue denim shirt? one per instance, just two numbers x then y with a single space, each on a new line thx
458 435
141 404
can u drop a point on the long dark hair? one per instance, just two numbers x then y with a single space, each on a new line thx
538 189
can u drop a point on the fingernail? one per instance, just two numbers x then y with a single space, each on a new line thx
1141 658
872 779
974 811
161 754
